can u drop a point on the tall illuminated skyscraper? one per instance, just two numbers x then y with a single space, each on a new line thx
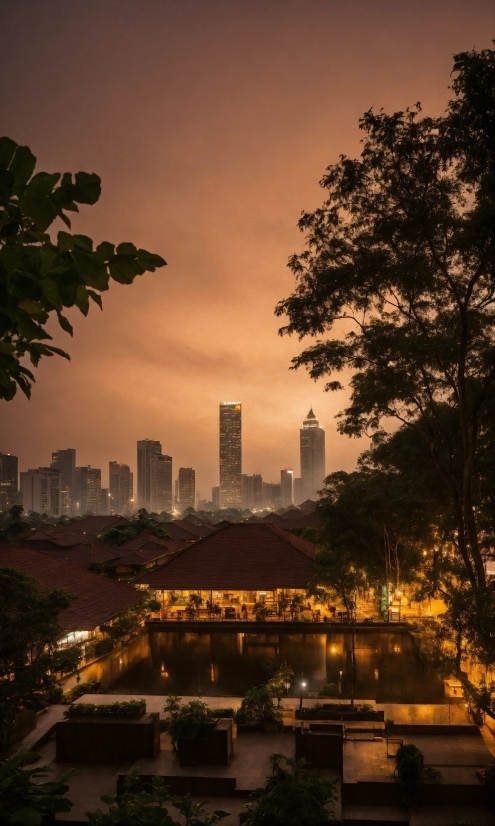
161 483
120 488
230 455
287 487
8 480
186 488
146 449
312 441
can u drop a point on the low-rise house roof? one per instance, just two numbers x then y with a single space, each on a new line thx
98 599
240 556
83 555
176 531
196 528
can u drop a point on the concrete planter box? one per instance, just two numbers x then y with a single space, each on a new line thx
101 740
215 749
345 716
323 749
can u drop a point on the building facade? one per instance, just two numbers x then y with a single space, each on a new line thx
120 481
286 487
186 488
9 475
161 483
312 443
88 490
298 491
65 462
252 492
271 496
230 455
146 449
41 491
215 497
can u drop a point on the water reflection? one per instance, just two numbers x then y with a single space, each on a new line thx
226 663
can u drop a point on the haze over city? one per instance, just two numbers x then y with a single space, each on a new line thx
210 125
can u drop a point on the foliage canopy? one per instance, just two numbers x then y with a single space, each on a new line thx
40 277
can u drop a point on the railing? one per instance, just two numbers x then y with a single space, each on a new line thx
184 616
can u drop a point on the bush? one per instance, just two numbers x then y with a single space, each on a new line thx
139 806
131 708
409 763
97 648
257 707
80 689
24 800
189 720
55 694
217 713
291 796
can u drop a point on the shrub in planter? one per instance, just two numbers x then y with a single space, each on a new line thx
410 767
131 708
80 689
96 648
218 713
257 707
188 721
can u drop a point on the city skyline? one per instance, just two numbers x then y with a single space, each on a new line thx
219 200
158 477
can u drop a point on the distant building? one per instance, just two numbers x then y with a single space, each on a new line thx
88 490
252 492
146 449
287 487
271 496
312 442
215 497
104 502
65 462
8 480
40 489
298 491
186 488
230 455
161 483
120 488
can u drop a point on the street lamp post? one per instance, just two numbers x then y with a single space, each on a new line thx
303 686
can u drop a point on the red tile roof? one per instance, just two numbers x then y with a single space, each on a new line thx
244 556
178 531
196 528
99 599
83 555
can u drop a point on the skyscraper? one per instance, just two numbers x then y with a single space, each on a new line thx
215 497
287 487
186 488
65 462
40 489
312 442
146 449
252 492
8 480
230 455
120 488
88 490
161 483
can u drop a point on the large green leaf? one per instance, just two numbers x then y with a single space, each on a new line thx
7 149
87 188
124 269
92 273
22 165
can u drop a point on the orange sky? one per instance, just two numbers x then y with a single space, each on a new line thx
210 123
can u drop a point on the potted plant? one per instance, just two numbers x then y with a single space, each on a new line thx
257 710
187 725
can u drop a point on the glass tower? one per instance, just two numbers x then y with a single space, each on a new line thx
230 455
312 441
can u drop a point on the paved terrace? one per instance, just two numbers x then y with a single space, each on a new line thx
250 765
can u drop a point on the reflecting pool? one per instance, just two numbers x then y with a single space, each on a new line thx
222 663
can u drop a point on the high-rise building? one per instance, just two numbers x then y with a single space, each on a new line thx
65 462
252 492
146 449
215 497
186 488
298 491
120 488
312 442
230 455
88 490
104 502
287 487
8 480
40 490
161 483
271 496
